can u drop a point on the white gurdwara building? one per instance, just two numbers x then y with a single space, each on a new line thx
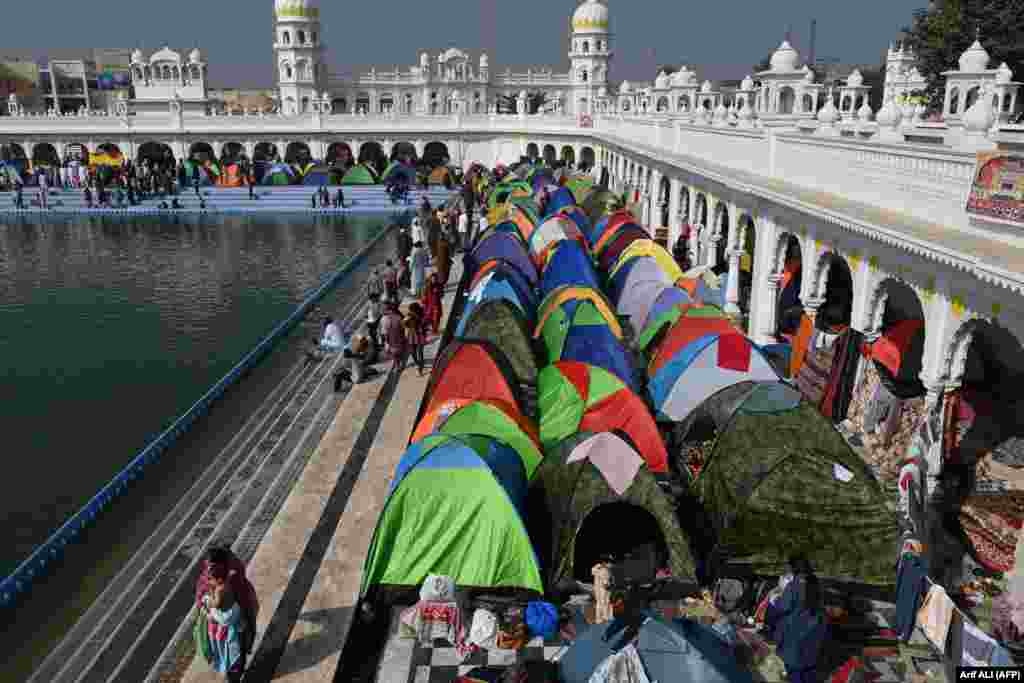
450 82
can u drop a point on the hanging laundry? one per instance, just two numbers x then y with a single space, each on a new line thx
910 584
935 615
978 646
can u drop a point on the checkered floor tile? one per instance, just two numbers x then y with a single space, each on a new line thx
441 664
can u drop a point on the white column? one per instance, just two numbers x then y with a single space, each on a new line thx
674 225
733 254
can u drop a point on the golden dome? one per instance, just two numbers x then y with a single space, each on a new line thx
592 15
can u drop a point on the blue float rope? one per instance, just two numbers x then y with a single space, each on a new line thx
18 581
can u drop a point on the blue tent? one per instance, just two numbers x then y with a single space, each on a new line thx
542 177
561 199
569 265
579 217
526 291
501 245
499 285
398 172
597 345
681 650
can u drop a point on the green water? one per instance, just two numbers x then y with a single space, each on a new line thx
110 328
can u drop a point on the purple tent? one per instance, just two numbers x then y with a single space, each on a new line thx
502 245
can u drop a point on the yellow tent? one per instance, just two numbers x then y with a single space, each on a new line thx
655 251
569 292
101 159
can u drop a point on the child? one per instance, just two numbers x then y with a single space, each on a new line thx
225 626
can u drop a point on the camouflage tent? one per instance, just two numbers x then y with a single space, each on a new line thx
781 481
499 322
569 486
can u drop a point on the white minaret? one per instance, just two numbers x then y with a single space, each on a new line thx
300 68
589 54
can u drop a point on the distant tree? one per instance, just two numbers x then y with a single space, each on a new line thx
941 33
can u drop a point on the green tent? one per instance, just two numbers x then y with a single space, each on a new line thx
360 174
575 484
781 482
499 322
467 417
454 509
599 202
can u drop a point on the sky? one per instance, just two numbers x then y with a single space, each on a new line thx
723 38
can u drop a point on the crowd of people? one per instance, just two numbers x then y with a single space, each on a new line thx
404 298
127 185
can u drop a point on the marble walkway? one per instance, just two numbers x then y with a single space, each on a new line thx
308 567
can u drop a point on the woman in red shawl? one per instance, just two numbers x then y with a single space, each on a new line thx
221 560
431 302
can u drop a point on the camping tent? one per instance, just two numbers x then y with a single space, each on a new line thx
360 174
558 200
693 323
232 176
452 510
440 176
578 476
318 175
568 264
635 303
194 167
678 650
575 396
649 249
668 299
550 232
609 225
593 342
658 323
578 217
500 323
779 465
504 226
279 174
507 247
600 202
608 251
704 368
499 284
507 270
636 272
580 185
473 370
567 307
496 420
504 190
397 172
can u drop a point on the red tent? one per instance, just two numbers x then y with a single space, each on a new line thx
685 331
473 370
